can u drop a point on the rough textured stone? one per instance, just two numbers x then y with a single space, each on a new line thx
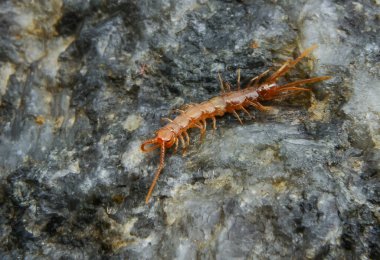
82 83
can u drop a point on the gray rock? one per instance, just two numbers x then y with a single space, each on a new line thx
83 83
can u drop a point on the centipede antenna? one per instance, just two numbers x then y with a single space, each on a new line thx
158 172
238 79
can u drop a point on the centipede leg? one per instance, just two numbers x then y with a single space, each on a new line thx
182 143
213 123
187 138
247 112
158 172
180 111
221 83
288 91
204 125
237 116
227 84
201 128
176 146
167 119
258 106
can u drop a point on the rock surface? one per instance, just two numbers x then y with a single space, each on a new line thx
82 83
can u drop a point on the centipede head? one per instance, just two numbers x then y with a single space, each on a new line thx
152 144
163 136
267 91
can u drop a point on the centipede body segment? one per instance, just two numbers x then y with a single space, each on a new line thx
230 101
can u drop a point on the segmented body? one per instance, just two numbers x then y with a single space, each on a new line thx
195 115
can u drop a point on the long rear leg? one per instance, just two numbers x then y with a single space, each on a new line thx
285 92
288 65
291 89
294 86
157 174
187 138
304 81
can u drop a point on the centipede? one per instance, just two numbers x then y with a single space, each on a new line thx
261 88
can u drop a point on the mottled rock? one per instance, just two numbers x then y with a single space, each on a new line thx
82 83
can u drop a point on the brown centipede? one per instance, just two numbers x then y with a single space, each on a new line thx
195 115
